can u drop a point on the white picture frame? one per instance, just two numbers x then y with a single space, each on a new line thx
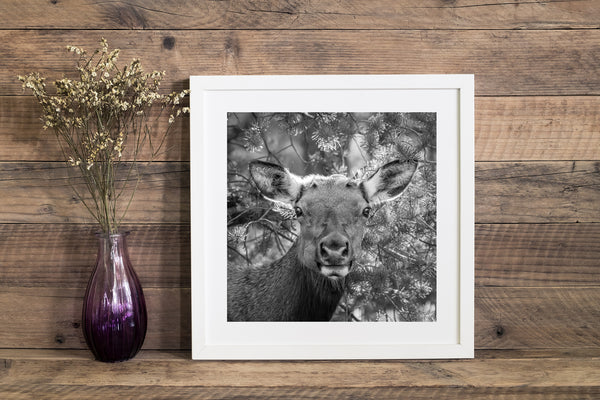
451 335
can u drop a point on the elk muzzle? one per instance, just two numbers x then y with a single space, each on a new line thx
334 255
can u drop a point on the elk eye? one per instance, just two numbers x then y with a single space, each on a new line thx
298 211
366 212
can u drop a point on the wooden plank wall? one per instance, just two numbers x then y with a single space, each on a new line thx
537 274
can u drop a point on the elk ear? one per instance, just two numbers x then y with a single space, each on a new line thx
388 182
275 182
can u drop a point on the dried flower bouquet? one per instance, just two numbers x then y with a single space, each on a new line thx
102 117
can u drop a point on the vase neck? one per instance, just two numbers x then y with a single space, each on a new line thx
112 237
112 249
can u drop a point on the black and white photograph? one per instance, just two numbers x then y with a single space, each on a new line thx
331 216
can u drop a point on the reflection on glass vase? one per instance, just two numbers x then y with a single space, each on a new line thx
114 309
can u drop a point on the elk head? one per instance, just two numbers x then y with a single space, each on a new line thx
332 210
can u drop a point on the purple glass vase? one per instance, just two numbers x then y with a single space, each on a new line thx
114 308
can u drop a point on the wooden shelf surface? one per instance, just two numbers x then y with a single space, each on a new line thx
174 375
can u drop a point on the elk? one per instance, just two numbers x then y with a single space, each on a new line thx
307 283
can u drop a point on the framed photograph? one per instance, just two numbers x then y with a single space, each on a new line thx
332 216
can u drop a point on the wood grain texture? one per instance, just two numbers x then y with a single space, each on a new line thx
79 370
517 255
62 255
537 255
505 318
77 392
41 193
504 62
51 318
537 76
537 128
526 318
301 14
22 137
504 193
506 129
537 192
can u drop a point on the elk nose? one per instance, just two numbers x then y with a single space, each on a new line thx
334 249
